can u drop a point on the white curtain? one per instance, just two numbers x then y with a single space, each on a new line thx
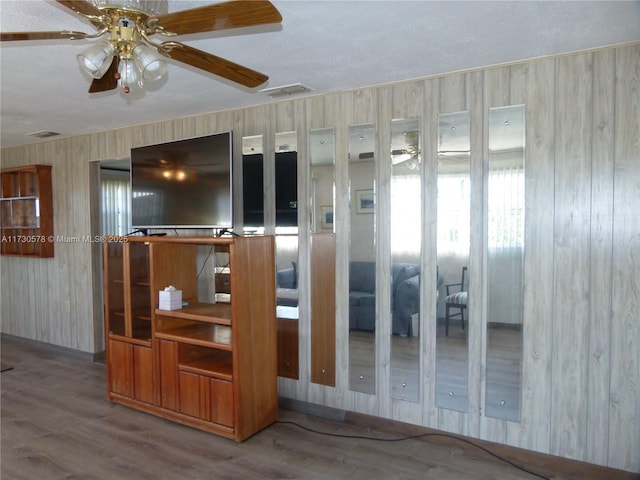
406 218
454 220
115 202
506 208
506 244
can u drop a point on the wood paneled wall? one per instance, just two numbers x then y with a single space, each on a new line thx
581 365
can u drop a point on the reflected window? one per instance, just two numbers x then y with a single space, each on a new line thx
453 249
505 261
406 241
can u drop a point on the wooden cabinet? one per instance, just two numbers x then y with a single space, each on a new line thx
26 211
288 339
211 364
323 308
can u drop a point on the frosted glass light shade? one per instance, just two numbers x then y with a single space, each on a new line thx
152 67
129 74
96 59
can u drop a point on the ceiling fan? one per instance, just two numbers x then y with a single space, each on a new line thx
411 152
127 57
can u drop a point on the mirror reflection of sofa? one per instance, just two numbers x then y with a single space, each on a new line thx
405 299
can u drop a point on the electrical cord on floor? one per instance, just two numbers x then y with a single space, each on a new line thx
421 435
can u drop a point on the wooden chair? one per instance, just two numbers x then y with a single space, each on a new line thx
456 300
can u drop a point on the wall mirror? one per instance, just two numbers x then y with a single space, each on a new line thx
406 240
321 147
453 246
253 184
286 231
505 261
362 259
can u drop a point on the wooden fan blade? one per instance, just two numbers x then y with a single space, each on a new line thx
81 7
62 35
221 16
108 80
212 64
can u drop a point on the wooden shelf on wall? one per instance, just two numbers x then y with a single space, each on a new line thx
26 211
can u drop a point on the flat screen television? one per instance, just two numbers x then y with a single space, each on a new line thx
183 184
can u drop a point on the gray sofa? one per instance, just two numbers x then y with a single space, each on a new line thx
405 299
405 296
287 286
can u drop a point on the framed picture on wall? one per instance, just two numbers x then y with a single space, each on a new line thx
365 201
326 216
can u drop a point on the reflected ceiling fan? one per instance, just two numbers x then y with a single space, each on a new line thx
128 56
410 154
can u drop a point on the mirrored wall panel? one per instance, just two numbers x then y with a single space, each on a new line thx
362 259
286 173
453 237
406 240
287 313
505 261
321 147
253 184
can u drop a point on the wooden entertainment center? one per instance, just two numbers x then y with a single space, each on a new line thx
211 364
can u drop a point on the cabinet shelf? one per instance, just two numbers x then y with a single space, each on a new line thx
210 367
219 313
202 334
143 341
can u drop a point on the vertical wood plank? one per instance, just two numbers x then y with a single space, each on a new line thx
496 93
538 94
430 254
624 434
602 167
571 253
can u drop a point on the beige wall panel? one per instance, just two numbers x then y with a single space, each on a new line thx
476 330
407 100
624 434
364 106
383 259
429 242
285 120
538 95
253 121
602 167
571 255
453 93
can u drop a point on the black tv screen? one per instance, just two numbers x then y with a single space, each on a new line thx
183 184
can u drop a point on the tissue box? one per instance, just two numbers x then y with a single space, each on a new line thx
170 300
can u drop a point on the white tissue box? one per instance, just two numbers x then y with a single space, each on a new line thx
222 334
170 300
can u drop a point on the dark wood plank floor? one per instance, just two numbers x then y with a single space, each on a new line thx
57 424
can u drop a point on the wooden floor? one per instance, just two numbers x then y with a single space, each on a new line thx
57 424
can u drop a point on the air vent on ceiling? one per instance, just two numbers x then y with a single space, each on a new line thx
286 90
42 134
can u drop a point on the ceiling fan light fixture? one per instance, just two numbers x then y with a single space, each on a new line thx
152 67
151 7
96 59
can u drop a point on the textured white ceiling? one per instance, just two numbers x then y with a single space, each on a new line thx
327 45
